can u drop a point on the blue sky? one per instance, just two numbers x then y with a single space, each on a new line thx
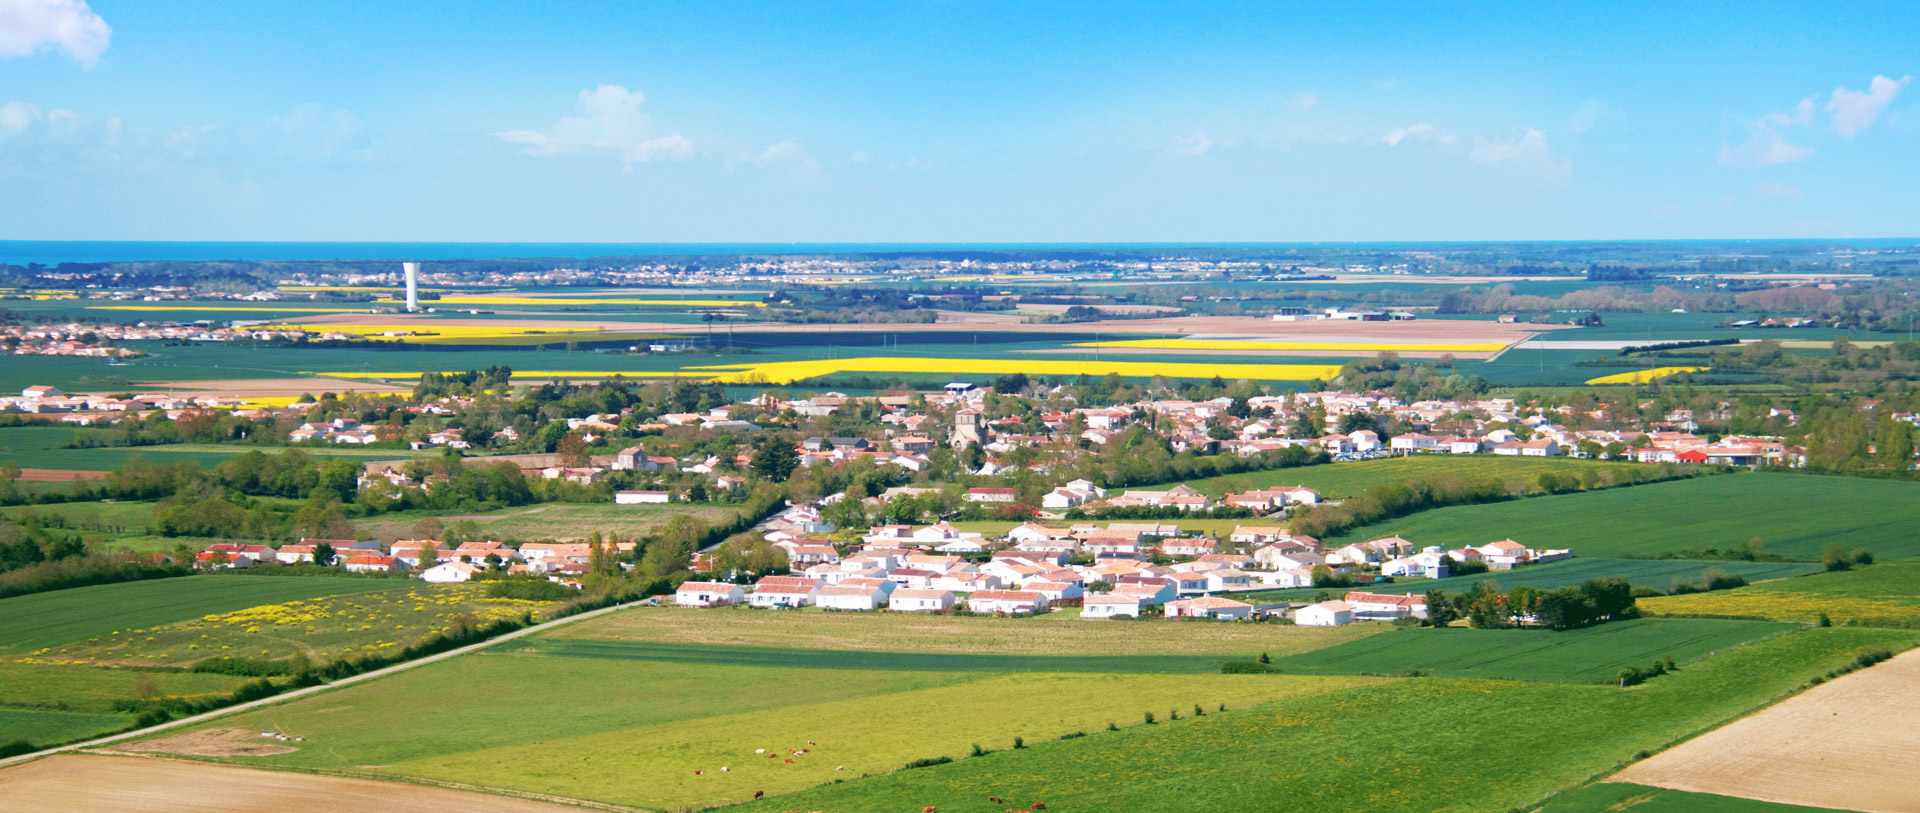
956 121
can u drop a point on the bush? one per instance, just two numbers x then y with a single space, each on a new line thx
927 763
16 748
1246 668
244 667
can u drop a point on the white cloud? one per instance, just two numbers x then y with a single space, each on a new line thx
1855 110
1771 189
1588 114
781 153
610 119
1196 144
1528 151
1764 148
1801 114
1418 133
1386 84
1305 101
28 26
860 157
17 116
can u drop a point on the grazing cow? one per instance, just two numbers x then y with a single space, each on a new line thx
929 809
993 799
1039 805
697 773
759 794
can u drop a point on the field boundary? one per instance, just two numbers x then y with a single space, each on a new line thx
312 690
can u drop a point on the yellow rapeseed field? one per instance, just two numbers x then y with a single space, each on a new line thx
485 299
782 372
1361 347
235 308
1643 376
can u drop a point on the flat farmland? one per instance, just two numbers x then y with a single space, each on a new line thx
551 520
1792 515
1341 480
593 725
39 447
1659 574
915 633
85 783
1878 595
643 651
1592 655
58 617
1849 743
1367 749
1613 797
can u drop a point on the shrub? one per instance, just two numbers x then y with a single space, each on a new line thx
927 763
1246 668
16 748
244 667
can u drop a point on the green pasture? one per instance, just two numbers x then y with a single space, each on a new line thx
1886 595
549 520
1790 514
754 656
1659 574
57 617
1337 481
1613 797
1592 655
39 447
1369 749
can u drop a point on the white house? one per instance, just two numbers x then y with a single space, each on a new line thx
709 594
1108 605
908 600
1006 601
851 597
1378 606
1324 614
449 572
1209 607
784 595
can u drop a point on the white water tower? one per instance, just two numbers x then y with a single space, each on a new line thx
413 283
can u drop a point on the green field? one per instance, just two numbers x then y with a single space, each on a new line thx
47 702
1371 749
1592 655
38 447
954 635
550 520
1659 574
1337 481
1611 797
756 656
322 628
595 724
1878 595
1792 515
58 617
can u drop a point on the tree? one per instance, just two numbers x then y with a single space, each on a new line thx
1836 557
775 459
573 451
1440 611
323 554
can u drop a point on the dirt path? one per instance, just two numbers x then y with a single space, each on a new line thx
1851 743
80 783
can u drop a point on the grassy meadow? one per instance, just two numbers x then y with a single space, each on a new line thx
321 628
1659 574
1886 595
38 447
54 702
955 635
1337 481
1612 797
1792 515
1592 655
549 520
1369 749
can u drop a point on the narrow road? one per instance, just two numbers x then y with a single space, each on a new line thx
298 693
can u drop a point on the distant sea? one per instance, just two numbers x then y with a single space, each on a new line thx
54 252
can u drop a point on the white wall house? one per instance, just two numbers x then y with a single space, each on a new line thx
1103 605
1324 614
709 594
908 600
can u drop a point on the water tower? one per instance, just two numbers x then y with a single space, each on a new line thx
413 283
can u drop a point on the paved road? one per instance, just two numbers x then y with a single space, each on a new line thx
297 693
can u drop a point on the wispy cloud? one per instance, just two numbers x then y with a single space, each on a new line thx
1386 84
1855 110
30 26
1417 134
1527 151
1771 189
609 119
1766 145
1195 144
1305 101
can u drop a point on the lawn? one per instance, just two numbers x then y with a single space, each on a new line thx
1612 797
49 726
1373 749
1886 595
915 633
1791 514
38 447
586 728
1659 574
61 617
322 628
1336 481
1592 655
758 656
550 520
